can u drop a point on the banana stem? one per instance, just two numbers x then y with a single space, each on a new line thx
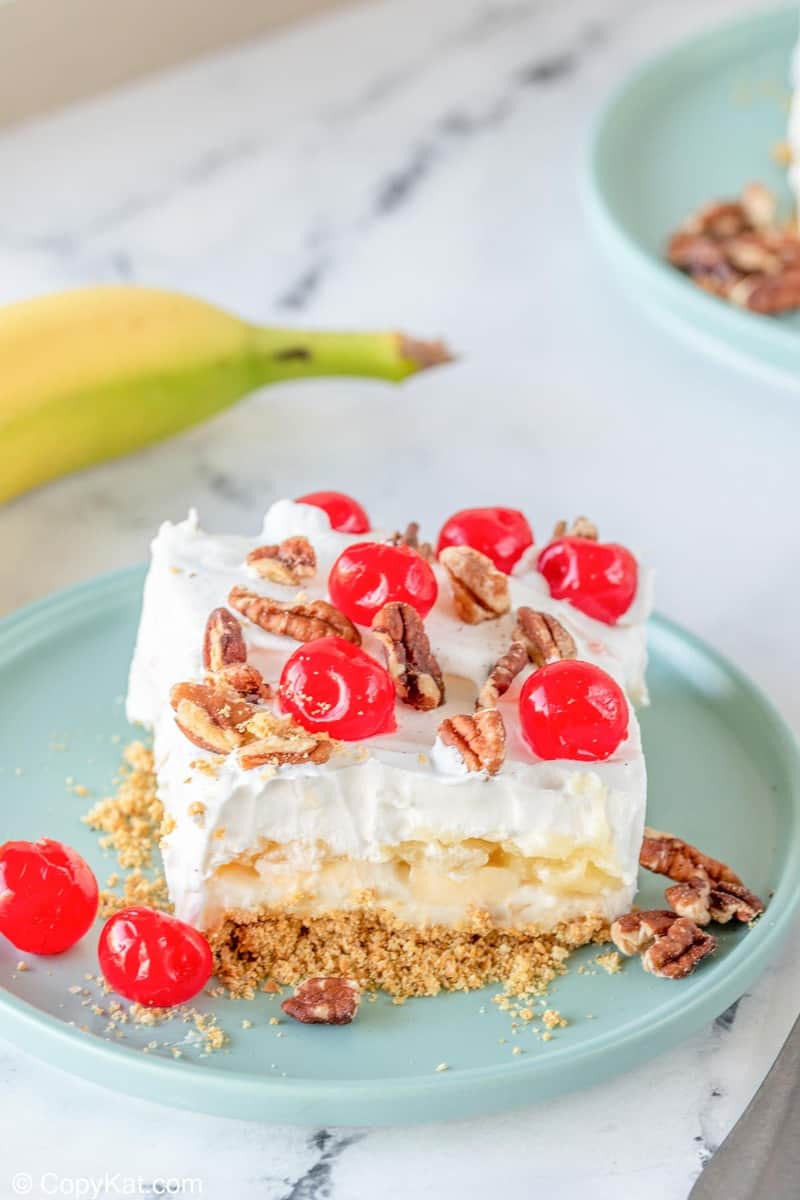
297 354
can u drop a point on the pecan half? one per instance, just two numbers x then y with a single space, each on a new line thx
305 622
480 591
324 1002
278 741
703 901
719 219
677 952
768 294
670 946
502 675
671 856
410 537
290 563
480 739
544 637
212 717
759 204
223 641
412 665
581 527
637 930
244 679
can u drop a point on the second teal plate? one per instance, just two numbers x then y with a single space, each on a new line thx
693 125
723 772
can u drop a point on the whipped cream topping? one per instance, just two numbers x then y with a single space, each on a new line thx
394 788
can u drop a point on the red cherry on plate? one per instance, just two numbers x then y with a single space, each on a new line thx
48 896
344 513
599 578
153 958
573 710
502 534
368 575
331 686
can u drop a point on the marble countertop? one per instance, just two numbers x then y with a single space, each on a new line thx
413 164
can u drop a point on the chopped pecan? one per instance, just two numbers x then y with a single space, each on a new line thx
212 717
719 219
737 250
544 637
581 527
691 899
480 591
705 888
290 563
676 953
759 205
750 253
502 675
411 538
223 641
412 665
324 1002
671 856
480 739
703 901
670 946
244 679
768 294
637 930
278 741
305 622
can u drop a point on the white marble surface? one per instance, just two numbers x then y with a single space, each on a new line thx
413 164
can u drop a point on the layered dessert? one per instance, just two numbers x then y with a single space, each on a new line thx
418 769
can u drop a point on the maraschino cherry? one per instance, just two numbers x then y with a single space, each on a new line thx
344 513
502 534
573 710
368 575
153 958
599 578
48 896
331 686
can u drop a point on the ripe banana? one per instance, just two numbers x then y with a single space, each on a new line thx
92 374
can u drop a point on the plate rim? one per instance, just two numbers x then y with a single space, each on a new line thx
467 1091
666 293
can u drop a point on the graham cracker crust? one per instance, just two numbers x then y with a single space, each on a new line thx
382 952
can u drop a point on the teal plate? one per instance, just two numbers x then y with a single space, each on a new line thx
693 125
724 773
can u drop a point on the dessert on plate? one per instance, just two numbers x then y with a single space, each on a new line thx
414 769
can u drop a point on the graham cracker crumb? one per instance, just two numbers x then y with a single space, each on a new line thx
380 951
130 820
131 823
610 962
553 1019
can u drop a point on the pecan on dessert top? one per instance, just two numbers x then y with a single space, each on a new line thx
292 562
581 527
480 591
502 675
223 641
412 665
479 738
544 637
305 621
